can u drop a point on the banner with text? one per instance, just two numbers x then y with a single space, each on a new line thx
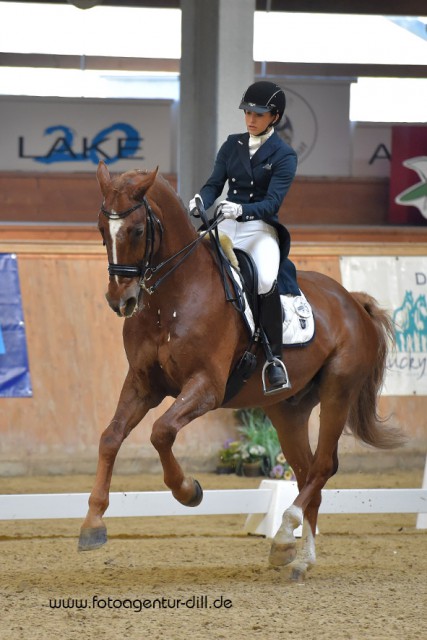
14 370
69 135
399 284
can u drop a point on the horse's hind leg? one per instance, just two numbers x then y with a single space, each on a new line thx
291 423
130 411
195 399
334 409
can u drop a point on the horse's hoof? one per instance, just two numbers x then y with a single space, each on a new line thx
298 575
197 497
91 539
282 554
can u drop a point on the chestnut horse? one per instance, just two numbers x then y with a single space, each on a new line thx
182 339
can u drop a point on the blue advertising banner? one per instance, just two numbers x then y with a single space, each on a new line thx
15 379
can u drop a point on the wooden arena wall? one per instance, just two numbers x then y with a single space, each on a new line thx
75 198
77 361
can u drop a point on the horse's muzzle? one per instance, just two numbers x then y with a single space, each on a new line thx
124 302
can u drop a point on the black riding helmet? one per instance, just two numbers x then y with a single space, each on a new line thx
264 97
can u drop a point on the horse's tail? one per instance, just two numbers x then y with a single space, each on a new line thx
363 420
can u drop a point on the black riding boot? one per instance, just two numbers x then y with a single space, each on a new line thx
270 316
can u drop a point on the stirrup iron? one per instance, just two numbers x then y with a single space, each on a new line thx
266 387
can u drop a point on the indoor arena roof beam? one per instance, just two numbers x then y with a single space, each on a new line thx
216 67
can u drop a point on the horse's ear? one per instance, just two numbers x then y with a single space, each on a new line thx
103 176
147 180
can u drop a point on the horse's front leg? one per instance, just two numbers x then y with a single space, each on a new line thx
131 408
196 398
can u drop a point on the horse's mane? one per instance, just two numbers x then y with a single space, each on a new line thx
129 178
162 186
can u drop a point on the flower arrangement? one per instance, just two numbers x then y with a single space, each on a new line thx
257 431
252 452
282 469
259 443
229 455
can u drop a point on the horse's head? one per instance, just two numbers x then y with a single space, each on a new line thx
130 231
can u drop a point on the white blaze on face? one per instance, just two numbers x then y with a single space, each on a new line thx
115 226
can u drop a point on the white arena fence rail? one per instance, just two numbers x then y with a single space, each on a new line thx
264 506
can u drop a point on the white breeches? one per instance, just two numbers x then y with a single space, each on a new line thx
259 239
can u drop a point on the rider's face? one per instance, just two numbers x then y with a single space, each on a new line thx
256 123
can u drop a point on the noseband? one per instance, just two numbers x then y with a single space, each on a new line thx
140 270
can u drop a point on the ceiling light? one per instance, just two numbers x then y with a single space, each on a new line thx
84 4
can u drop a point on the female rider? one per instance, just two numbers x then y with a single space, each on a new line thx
260 168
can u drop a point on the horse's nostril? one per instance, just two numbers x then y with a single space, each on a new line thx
128 308
114 307
124 305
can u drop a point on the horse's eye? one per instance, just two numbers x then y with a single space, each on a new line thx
101 231
139 231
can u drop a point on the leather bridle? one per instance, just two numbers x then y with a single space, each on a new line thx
145 270
153 222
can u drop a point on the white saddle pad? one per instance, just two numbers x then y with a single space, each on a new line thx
298 323
298 319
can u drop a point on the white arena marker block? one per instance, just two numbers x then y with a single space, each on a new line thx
334 501
265 504
162 503
370 501
133 504
283 493
422 517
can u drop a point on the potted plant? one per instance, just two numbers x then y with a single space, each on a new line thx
228 457
252 459
260 446
256 429
258 452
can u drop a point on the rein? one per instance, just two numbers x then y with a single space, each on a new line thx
146 270
232 293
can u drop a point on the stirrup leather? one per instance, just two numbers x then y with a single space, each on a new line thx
267 388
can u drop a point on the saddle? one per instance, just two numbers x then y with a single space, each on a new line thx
240 278
249 282
298 321
249 275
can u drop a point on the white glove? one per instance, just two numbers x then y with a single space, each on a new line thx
193 206
230 210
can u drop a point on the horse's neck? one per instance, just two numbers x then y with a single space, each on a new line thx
178 232
183 256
